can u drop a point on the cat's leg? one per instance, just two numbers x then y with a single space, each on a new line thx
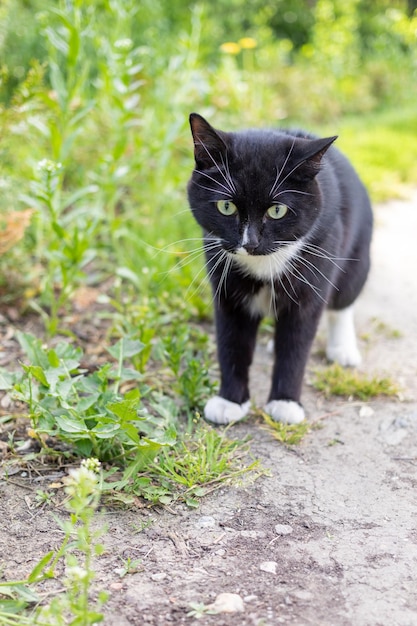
341 339
236 336
294 334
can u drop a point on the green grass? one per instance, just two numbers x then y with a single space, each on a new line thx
288 434
383 148
338 381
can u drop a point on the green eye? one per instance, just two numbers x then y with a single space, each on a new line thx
277 211
226 207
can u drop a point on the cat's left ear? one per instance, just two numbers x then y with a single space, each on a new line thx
209 143
313 154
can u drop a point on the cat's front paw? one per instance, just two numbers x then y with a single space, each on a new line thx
221 411
346 355
285 411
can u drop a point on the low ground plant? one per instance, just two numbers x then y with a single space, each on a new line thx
339 381
22 601
287 434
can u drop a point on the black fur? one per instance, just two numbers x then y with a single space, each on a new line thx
328 207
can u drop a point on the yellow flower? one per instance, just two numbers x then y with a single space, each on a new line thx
230 47
247 43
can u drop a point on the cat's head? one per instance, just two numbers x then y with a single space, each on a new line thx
255 191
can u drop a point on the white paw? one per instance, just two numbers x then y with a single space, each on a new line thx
270 346
221 411
285 411
346 355
341 343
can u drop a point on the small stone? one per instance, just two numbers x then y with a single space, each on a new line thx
120 571
302 594
6 401
269 566
207 521
366 411
116 586
228 603
159 576
249 534
283 529
250 598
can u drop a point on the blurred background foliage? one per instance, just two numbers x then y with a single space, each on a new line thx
95 97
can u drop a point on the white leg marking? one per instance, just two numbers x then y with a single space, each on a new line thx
221 411
341 340
285 411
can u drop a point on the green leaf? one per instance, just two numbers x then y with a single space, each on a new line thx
59 230
106 431
132 432
126 410
71 425
53 358
6 380
126 348
84 447
20 590
193 503
87 402
165 499
125 272
39 567
80 193
12 607
33 349
38 373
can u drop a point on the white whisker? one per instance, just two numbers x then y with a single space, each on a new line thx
289 174
220 253
276 181
304 193
223 277
213 179
228 175
314 270
273 304
299 276
216 191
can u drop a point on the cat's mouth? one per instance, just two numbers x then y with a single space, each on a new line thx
243 251
267 264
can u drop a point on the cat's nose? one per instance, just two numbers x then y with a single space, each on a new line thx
250 247
250 240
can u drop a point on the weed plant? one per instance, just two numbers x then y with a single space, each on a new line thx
287 434
21 601
338 381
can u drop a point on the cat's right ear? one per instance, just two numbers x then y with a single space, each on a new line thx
209 144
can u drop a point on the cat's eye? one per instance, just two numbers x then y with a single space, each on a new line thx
277 211
226 207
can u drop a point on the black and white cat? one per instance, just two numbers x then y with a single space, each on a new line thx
287 226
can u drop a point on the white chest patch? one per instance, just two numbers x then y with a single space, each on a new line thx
262 303
268 266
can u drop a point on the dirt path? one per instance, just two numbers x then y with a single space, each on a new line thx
328 539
